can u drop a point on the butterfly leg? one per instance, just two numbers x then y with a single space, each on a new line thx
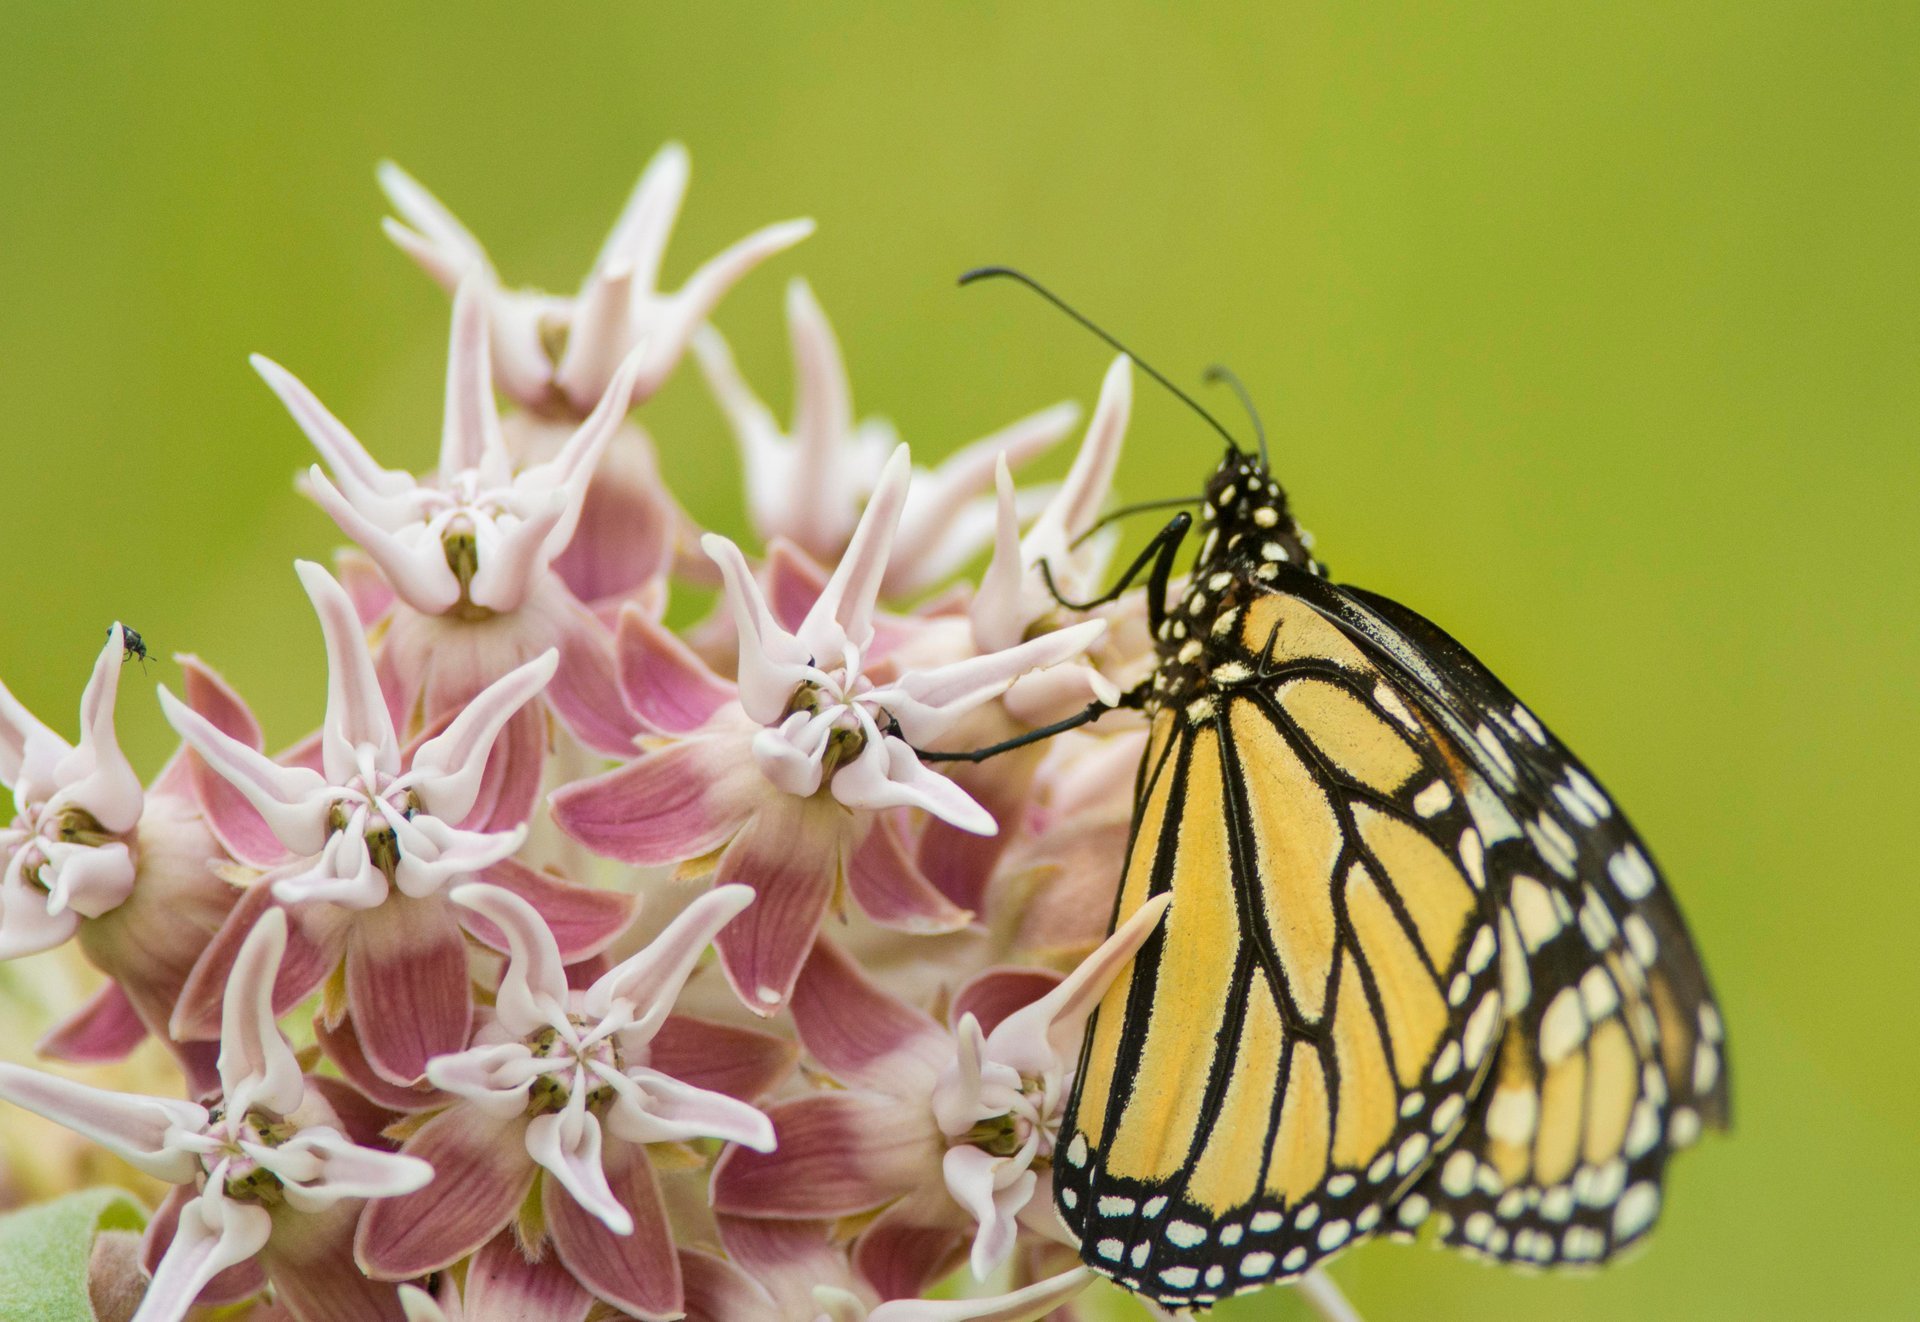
1157 553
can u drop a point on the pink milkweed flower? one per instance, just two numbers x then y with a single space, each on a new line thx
270 1186
69 852
363 847
1014 602
807 484
90 854
475 538
781 772
948 1134
468 551
555 354
562 1085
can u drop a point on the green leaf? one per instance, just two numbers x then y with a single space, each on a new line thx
44 1252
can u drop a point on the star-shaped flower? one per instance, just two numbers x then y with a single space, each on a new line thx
557 354
780 774
264 1169
364 845
474 538
565 1082
948 1134
67 853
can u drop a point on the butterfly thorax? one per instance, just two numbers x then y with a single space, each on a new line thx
1248 537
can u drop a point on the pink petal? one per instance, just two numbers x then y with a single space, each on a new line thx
442 245
322 1168
627 528
316 942
929 702
481 1174
793 854
991 996
650 980
638 239
470 428
790 1259
585 692
310 1263
651 1107
533 988
681 802
936 541
96 774
408 953
570 471
100 1032
718 1291
794 581
702 292
838 1154
891 889
510 787
257 1067
913 1244
771 660
419 574
18 728
360 577
740 1062
140 1130
665 684
502 1286
822 421
1090 479
998 611
601 315
356 710
974 1178
211 1234
638 1272
447 769
240 1281
284 796
361 1118
582 920
234 822
888 774
568 1144
845 607
365 481
862 1035
1046 1035
1043 1299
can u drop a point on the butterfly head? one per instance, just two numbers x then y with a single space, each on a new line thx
1247 525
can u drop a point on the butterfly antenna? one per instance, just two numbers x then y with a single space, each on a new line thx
990 272
1221 374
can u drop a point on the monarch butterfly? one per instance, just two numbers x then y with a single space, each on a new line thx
1417 963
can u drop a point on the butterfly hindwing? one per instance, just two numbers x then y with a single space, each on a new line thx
1612 1056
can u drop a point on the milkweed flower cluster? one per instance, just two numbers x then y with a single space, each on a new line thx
640 970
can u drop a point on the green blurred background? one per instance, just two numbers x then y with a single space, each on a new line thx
1589 330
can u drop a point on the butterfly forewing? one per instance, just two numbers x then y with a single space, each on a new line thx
1304 1032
